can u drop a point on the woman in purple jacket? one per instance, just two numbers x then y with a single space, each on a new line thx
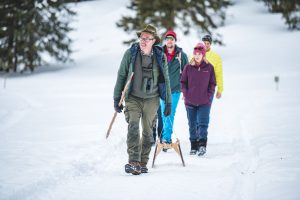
198 83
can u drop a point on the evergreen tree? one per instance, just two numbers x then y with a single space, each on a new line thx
290 10
204 15
30 28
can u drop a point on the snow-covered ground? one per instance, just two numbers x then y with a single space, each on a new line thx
53 125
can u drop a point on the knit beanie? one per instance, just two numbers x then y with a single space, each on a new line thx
200 48
171 33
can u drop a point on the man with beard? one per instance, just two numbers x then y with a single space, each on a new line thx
177 59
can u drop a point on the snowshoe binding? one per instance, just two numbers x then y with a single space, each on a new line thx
144 168
202 151
133 168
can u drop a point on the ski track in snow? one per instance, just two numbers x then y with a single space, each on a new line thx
93 160
11 115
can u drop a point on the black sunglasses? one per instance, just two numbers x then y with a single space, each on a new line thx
198 48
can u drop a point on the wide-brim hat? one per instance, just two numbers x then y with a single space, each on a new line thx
152 30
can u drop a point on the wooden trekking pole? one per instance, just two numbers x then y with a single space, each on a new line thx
120 103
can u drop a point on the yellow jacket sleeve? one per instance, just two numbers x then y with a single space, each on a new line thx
216 61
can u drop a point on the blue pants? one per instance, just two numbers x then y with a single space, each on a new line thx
169 121
198 117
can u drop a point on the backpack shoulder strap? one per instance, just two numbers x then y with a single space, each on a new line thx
179 60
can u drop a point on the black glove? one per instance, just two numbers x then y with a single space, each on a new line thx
117 107
168 109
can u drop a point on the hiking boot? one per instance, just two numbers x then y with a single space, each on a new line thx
202 150
197 144
194 148
165 142
133 168
144 168
202 142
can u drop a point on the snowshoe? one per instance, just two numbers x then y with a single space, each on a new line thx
133 168
193 152
202 151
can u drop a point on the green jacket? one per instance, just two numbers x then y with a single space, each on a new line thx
127 67
176 67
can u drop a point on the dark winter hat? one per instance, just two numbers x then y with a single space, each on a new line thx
171 33
152 30
200 48
207 38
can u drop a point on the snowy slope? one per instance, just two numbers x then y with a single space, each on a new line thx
53 125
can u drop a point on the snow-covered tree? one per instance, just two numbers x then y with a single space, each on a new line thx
290 10
204 15
30 28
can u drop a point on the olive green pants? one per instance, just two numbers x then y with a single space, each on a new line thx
136 109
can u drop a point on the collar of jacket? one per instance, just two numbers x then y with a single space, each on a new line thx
202 64
167 52
158 54
157 50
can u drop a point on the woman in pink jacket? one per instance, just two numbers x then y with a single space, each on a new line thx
198 83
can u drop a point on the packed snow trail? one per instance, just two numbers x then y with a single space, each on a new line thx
53 124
